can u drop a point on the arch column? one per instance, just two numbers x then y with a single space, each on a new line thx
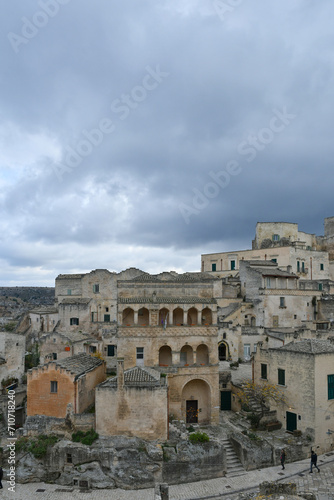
135 318
194 357
175 357
185 317
199 317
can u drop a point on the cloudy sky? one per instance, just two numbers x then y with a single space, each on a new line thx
144 133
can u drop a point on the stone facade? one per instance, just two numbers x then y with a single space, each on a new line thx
51 387
12 349
304 371
134 403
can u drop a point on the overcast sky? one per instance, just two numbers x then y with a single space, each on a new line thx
143 133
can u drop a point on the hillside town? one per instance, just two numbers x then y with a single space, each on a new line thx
144 361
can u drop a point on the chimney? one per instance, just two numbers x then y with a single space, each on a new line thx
289 269
120 373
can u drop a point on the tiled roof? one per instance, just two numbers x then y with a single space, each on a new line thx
310 346
44 310
70 276
78 364
173 277
166 300
137 376
279 273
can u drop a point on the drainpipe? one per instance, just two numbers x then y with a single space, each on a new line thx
311 266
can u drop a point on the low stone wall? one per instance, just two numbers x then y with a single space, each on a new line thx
64 427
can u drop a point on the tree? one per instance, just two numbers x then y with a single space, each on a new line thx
260 395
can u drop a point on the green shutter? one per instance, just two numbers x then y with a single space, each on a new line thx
330 386
281 376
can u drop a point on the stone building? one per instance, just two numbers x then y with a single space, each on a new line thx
166 321
280 242
43 320
304 371
52 386
56 345
135 403
12 357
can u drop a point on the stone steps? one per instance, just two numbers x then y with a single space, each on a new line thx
233 465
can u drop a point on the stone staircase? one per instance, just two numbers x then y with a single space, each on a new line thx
233 465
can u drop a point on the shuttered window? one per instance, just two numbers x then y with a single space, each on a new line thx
330 386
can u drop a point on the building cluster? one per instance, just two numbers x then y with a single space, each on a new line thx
143 347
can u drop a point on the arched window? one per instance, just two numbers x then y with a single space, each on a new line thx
165 356
207 316
178 316
192 316
143 317
186 355
202 355
128 317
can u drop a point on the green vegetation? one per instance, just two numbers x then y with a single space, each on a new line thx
32 359
199 437
36 446
10 327
5 382
85 437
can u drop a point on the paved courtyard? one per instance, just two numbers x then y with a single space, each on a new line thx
226 488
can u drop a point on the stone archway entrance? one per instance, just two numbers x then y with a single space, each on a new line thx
196 402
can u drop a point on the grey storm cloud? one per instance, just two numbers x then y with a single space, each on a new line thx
146 133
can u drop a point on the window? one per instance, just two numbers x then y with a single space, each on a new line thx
74 321
96 288
107 309
111 350
69 458
69 292
320 286
92 349
330 379
140 352
276 237
246 351
274 260
107 318
140 356
255 347
321 267
264 371
54 386
303 267
54 355
282 302
232 265
54 340
268 282
214 267
281 376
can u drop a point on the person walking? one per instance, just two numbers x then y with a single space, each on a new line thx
314 458
283 458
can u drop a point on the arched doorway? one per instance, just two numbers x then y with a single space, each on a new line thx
196 402
128 317
178 316
192 316
163 316
206 316
202 355
223 351
186 355
143 317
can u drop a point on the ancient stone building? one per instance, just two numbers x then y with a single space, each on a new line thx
56 345
52 386
12 351
135 403
304 371
280 242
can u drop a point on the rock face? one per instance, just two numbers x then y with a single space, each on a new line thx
123 463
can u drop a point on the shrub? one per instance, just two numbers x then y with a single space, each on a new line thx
190 428
9 327
85 437
199 437
36 446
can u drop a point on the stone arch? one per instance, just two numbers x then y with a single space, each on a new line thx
165 355
206 316
186 355
192 316
202 355
223 351
143 316
128 317
178 316
163 316
196 402
253 321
